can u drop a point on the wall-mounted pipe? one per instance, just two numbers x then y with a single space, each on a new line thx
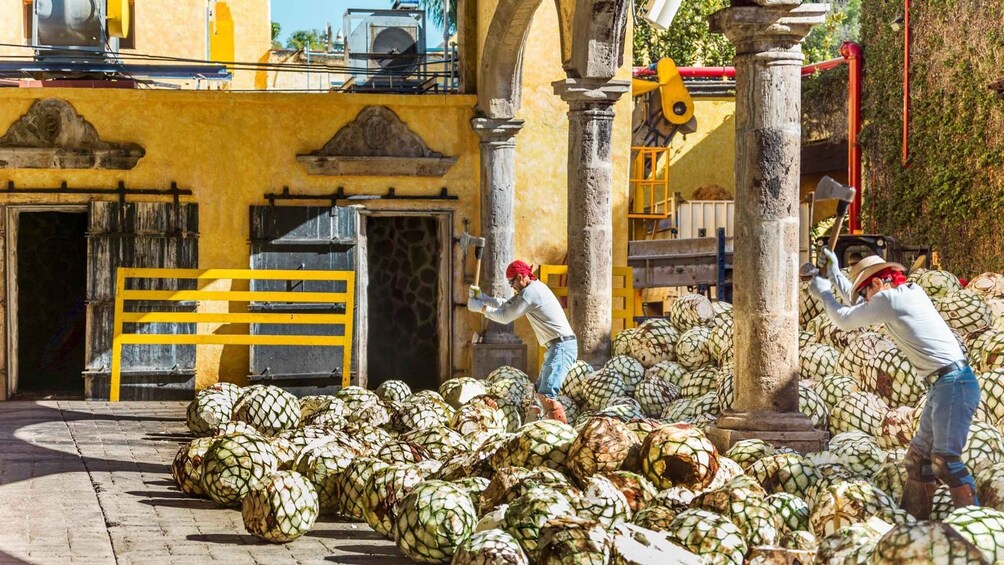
851 53
906 83
730 72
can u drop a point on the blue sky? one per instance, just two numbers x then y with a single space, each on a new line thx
295 15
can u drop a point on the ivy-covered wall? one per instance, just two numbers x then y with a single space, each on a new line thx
951 192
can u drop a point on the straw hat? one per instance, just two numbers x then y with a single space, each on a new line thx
865 268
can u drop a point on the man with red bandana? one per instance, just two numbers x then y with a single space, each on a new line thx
880 294
542 309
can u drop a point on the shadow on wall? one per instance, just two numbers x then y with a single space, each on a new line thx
707 161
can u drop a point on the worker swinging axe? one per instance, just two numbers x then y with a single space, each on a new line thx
829 189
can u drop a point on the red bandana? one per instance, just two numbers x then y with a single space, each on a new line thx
519 268
897 277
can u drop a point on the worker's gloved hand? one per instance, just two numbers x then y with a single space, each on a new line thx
474 292
475 305
819 285
832 266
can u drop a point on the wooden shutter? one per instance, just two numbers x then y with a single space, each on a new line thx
304 238
139 234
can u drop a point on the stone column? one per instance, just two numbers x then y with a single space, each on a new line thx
498 202
590 227
767 35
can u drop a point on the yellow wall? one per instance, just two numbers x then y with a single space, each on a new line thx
230 149
176 32
12 27
706 156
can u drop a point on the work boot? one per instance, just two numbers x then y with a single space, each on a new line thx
918 498
963 495
552 409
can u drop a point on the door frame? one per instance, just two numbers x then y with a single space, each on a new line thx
11 216
444 306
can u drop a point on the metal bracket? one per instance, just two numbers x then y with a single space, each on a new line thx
340 194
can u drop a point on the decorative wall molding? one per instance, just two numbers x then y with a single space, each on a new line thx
376 143
52 135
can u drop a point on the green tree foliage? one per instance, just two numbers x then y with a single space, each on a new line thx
434 9
314 39
689 41
843 23
276 30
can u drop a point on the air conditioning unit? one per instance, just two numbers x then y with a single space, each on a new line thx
385 47
78 29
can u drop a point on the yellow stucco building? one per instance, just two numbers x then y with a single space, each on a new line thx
232 149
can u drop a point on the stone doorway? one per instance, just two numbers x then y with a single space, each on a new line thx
405 299
47 292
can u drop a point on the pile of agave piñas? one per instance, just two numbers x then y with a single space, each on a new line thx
458 475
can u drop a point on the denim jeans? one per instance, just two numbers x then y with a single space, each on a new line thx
558 359
944 423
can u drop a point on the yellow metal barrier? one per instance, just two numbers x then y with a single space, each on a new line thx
122 295
649 185
623 295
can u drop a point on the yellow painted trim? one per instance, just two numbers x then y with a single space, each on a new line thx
240 274
230 318
235 296
120 337
113 394
229 339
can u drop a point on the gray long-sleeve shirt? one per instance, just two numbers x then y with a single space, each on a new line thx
541 307
913 323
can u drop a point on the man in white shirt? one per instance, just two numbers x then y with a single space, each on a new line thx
880 294
542 309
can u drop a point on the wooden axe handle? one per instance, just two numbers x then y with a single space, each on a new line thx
835 234
478 252
838 223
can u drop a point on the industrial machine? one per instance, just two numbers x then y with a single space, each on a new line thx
385 48
851 248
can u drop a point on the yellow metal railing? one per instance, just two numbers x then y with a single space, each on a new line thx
623 295
650 198
204 277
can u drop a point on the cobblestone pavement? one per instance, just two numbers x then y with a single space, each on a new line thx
89 482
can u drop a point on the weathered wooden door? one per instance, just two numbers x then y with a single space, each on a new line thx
302 238
139 234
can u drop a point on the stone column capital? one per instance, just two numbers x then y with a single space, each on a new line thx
590 91
773 23
496 129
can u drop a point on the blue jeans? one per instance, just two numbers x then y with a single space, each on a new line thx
558 359
944 426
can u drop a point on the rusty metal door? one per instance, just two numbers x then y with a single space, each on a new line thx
139 234
304 238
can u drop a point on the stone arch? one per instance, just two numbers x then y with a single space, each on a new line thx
598 29
501 68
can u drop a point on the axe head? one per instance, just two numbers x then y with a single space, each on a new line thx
829 189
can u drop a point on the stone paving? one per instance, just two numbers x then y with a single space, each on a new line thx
90 482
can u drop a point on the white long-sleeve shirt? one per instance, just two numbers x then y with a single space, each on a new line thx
913 323
541 307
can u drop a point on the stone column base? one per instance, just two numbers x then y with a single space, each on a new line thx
486 357
802 441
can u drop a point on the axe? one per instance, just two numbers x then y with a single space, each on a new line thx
465 240
829 189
